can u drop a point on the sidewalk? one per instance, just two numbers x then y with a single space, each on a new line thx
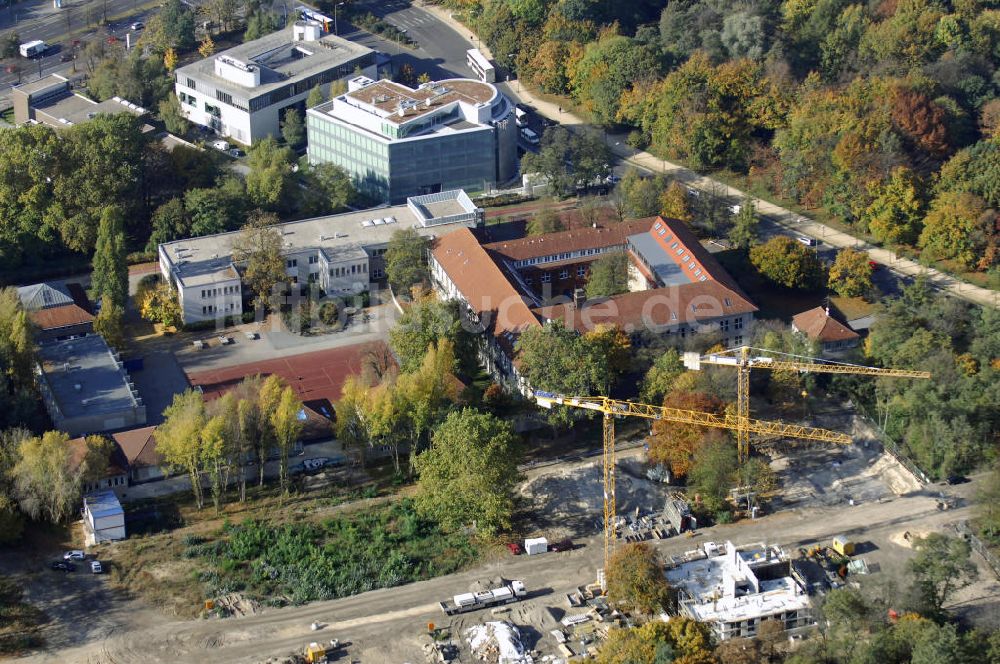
786 218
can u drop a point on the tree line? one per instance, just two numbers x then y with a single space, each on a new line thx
884 115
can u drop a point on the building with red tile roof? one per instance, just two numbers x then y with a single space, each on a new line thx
817 324
676 287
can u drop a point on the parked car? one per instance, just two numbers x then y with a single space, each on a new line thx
236 152
515 548
808 241
314 464
76 554
221 145
95 567
561 545
957 479
873 265
62 566
138 25
66 57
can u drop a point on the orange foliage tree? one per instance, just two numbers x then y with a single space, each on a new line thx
675 444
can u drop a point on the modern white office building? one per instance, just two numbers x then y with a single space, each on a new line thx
398 141
342 253
243 92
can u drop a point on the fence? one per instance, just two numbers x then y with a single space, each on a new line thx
979 546
891 446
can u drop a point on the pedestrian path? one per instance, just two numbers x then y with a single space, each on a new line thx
792 221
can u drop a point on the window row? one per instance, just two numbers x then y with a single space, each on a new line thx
215 292
344 271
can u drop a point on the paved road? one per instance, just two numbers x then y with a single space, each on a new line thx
790 222
367 619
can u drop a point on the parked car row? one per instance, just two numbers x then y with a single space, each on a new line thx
66 564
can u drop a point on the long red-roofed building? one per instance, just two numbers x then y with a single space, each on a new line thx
676 287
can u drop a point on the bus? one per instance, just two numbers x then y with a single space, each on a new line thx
479 64
33 49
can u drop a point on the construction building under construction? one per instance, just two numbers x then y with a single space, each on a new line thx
737 588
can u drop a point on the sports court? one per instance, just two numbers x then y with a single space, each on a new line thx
318 375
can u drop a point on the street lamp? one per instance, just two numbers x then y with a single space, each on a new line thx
336 31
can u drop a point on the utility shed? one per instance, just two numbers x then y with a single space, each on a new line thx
103 518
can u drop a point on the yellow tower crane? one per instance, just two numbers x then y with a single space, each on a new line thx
744 361
612 408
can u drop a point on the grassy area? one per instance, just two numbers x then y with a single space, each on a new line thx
336 557
19 620
280 550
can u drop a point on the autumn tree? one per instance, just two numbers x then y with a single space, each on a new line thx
160 305
257 250
426 392
207 47
608 275
110 323
895 214
406 260
674 203
680 640
546 220
922 121
287 425
960 226
178 438
468 474
635 579
851 273
676 444
45 483
787 263
217 444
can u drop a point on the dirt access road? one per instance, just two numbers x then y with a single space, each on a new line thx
387 625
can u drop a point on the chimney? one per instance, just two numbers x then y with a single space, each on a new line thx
579 297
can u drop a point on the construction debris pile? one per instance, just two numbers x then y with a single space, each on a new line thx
582 630
497 643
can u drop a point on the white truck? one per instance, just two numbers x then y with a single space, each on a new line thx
33 49
465 602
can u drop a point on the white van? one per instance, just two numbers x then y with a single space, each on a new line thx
520 117
530 137
221 145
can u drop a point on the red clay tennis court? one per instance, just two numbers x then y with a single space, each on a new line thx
318 375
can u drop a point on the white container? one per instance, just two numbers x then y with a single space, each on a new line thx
536 545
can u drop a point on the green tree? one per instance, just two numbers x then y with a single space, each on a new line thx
110 323
9 45
172 116
29 155
660 377
287 427
743 234
293 130
546 220
427 392
179 438
469 472
940 568
45 482
172 27
711 474
315 97
110 276
608 275
851 273
406 260
988 505
332 187
11 520
215 209
557 359
257 249
568 159
260 23
270 180
635 579
787 263
169 222
425 322
642 195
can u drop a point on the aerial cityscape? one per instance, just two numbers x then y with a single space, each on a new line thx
503 331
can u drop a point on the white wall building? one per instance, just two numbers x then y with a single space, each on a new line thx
103 518
342 253
243 92
736 588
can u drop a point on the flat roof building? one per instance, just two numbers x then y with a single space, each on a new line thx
243 92
341 253
398 141
85 388
103 518
51 101
736 588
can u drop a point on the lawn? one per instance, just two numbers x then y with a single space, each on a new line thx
336 557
